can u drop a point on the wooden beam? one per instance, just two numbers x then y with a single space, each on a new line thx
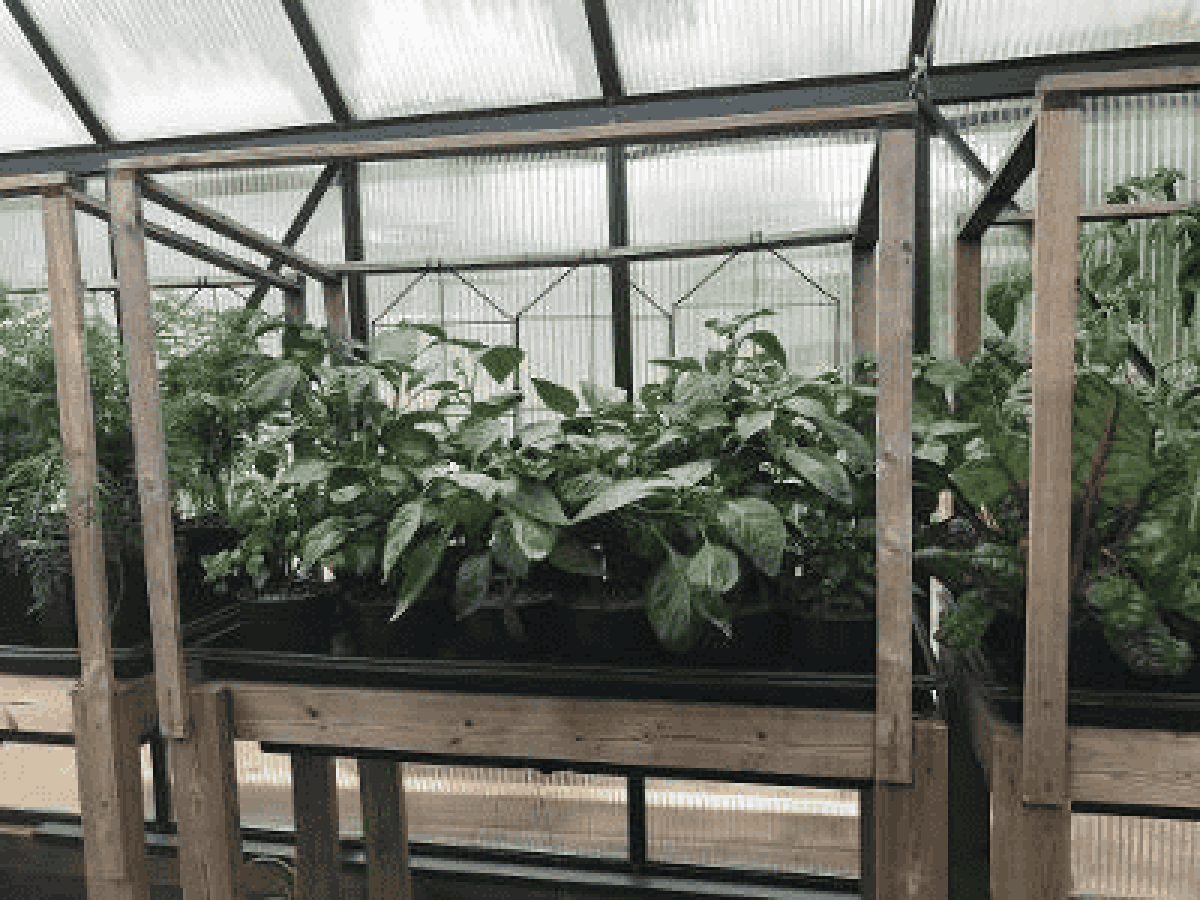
335 311
205 794
816 237
1055 269
314 801
1017 166
708 127
833 744
97 208
295 307
1136 767
909 847
1125 81
26 185
895 275
966 312
221 224
150 451
381 785
111 813
1112 212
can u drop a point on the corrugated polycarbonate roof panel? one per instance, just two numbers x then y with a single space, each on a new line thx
407 57
968 31
156 69
35 112
665 45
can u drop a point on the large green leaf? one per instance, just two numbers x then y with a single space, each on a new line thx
501 362
484 485
557 398
983 480
505 549
1129 465
478 435
401 530
669 605
597 395
702 387
757 529
690 474
570 555
712 606
585 486
275 385
751 424
857 448
398 345
535 500
305 472
321 540
471 584
713 568
419 568
623 493
770 345
536 539
819 469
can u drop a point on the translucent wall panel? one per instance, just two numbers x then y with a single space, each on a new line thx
808 289
22 244
1127 856
968 31
778 829
667 45
158 69
402 57
735 189
35 112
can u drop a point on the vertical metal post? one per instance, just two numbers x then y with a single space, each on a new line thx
618 236
1044 737
107 754
352 231
162 784
635 793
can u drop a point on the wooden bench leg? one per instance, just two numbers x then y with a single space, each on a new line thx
905 846
110 796
314 797
382 789
206 802
1028 845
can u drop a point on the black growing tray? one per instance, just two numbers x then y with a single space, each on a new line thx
217 656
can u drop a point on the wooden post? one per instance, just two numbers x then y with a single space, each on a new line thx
862 289
108 760
335 311
295 308
1008 819
381 785
314 798
209 849
966 325
905 843
1045 784
894 333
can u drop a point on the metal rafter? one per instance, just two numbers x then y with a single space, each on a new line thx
604 49
1017 166
960 147
317 61
922 26
62 78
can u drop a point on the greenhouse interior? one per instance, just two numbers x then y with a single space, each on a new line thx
684 448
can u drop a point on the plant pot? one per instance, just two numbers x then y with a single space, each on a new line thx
760 641
612 633
827 644
193 542
292 619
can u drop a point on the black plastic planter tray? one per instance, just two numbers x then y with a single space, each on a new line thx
217 655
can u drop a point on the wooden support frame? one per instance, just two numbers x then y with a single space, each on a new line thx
966 314
381 786
895 285
221 224
314 800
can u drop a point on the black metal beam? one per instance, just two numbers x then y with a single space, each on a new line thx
303 216
866 231
960 147
1004 184
352 231
62 78
922 25
618 236
923 243
317 61
604 49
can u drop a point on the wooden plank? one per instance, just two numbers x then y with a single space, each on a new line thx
385 830
335 311
24 185
108 767
206 802
862 290
651 132
1137 767
1017 166
1109 212
814 237
97 208
1055 268
834 744
138 706
226 226
314 800
1125 81
150 450
910 842
895 278
966 300
1008 819
36 706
